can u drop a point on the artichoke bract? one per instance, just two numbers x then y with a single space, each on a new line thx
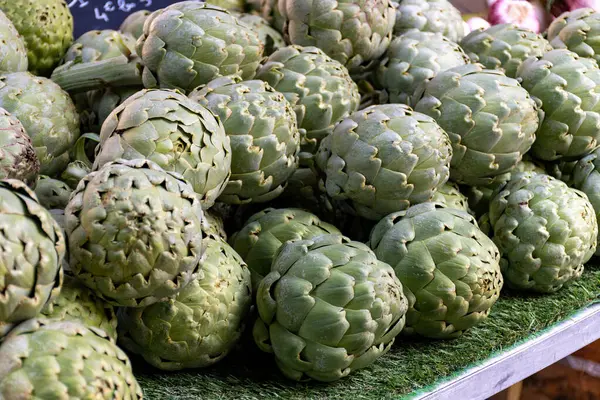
33 248
46 27
569 89
135 232
327 308
76 302
134 23
578 31
545 231
202 323
491 120
270 37
17 155
413 59
52 193
13 55
173 131
383 159
265 232
504 47
449 269
210 43
265 141
429 16
47 114
450 195
64 359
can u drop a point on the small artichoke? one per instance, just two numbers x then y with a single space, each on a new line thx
75 172
99 45
202 323
450 195
33 248
135 232
95 106
491 120
429 16
264 137
569 89
52 193
271 38
49 359
578 31
13 55
265 232
17 155
545 231
504 47
383 159
212 225
173 131
327 308
449 269
134 23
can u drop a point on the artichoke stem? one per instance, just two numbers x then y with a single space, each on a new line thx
113 72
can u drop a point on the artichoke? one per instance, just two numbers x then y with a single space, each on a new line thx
413 59
135 232
545 231
450 195
201 324
173 131
17 155
33 248
490 118
76 171
213 225
578 31
449 269
46 27
13 55
134 23
264 137
383 159
271 38
47 114
504 47
95 106
569 89
327 308
48 359
52 193
429 16
76 302
99 45
265 232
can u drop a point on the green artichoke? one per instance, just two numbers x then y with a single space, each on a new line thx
545 231
47 114
17 155
265 232
504 47
49 359
173 131
46 27
383 159
413 59
578 31
33 248
76 302
76 171
134 23
13 55
135 232
327 308
450 195
491 120
95 106
99 45
264 137
52 193
429 16
212 225
202 323
271 38
569 89
449 269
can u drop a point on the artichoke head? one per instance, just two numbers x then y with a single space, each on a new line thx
134 23
577 30
53 193
17 155
13 55
429 16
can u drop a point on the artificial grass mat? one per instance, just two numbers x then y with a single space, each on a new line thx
411 365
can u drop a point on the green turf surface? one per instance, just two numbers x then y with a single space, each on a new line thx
411 365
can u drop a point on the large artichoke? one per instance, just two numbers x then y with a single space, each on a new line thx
569 89
135 232
449 269
17 155
49 359
47 114
504 46
578 31
271 38
413 59
134 23
429 16
327 308
490 118
32 250
545 231
264 136
47 28
383 159
265 232
175 132
201 324
52 193
13 55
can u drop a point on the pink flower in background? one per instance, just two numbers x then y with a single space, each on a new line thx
477 23
518 12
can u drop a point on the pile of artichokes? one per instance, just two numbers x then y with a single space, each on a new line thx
325 178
